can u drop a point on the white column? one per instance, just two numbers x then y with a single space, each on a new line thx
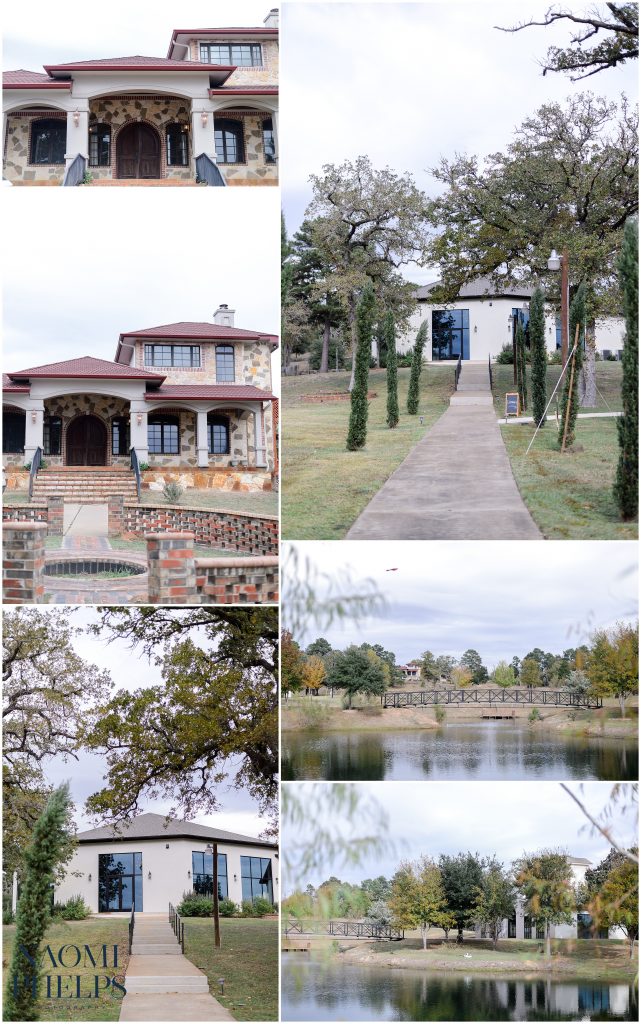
201 438
258 437
202 130
77 134
14 893
275 127
34 429
138 429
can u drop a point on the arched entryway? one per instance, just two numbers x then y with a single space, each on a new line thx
138 151
86 442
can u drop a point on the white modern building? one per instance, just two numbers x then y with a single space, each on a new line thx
482 320
152 862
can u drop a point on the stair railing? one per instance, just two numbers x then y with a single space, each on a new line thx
207 172
75 173
33 472
135 466
177 926
489 370
457 373
132 921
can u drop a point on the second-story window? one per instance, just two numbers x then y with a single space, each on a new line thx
244 55
172 355
225 363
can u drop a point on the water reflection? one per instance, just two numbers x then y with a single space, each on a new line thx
313 990
479 750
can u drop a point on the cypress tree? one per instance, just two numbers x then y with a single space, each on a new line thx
415 371
521 364
392 370
627 479
34 907
357 433
538 357
570 402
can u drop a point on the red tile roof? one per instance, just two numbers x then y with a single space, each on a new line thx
86 366
8 385
209 392
187 329
136 63
22 79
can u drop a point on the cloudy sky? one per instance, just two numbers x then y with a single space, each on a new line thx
129 670
407 83
448 817
501 597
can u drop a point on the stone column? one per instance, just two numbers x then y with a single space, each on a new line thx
275 127
23 563
138 429
259 446
172 568
201 438
55 515
34 429
77 134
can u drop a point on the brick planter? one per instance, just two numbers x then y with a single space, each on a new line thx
172 568
23 563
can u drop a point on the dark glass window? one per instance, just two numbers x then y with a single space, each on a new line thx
120 436
99 145
558 332
269 145
119 882
230 146
256 875
163 435
13 428
177 148
225 363
217 435
450 334
172 355
52 435
246 55
511 927
202 873
48 141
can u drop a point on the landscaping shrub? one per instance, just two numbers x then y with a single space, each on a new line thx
172 492
555 358
247 908
262 907
534 715
194 904
404 361
75 909
7 917
506 355
227 908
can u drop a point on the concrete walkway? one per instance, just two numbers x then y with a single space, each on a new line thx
161 983
85 520
457 483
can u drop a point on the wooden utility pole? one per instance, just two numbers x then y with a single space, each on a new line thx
213 848
565 309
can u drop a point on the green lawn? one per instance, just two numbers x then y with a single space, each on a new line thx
93 932
247 960
253 502
608 381
326 487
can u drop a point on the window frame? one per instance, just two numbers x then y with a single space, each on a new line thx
15 415
236 128
48 423
459 330
153 350
56 122
224 351
206 886
269 140
164 421
217 420
228 59
176 128
97 128
256 886
120 426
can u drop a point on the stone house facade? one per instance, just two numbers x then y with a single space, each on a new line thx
215 93
192 396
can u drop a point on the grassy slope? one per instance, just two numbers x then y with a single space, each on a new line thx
78 933
247 960
253 502
326 487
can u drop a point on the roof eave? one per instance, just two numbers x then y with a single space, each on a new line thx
35 86
167 837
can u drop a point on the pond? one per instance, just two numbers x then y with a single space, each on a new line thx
317 990
469 750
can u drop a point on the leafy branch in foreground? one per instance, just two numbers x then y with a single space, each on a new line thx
314 597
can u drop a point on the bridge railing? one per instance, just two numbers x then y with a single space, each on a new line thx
476 695
348 929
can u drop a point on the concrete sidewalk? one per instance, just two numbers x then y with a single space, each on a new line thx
456 484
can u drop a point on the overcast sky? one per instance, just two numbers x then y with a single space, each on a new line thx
501 598
502 818
129 670
407 83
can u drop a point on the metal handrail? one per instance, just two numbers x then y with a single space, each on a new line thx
132 921
489 370
457 373
177 926
75 173
35 466
207 172
135 466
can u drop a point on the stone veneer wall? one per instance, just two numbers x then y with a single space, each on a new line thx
16 149
254 169
266 74
252 362
188 457
158 111
228 531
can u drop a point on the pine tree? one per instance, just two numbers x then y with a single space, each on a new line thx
570 401
392 370
34 907
357 434
626 485
415 372
521 364
538 356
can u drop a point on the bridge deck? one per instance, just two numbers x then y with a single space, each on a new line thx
495 695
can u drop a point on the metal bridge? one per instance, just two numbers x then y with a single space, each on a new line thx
476 695
348 929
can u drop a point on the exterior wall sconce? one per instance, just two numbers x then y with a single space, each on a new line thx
204 117
475 328
235 878
76 117
139 421
89 877
149 875
34 415
166 846
189 874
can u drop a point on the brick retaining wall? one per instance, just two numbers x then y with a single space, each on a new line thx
235 531
237 581
23 562
24 514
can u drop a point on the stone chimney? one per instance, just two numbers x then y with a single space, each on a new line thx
271 21
224 316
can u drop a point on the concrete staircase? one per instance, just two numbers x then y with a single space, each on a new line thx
153 937
141 183
85 484
473 385
157 964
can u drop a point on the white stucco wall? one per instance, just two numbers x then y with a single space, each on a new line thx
168 860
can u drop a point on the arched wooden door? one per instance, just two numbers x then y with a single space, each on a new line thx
87 442
138 151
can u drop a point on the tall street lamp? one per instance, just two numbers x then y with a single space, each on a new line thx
213 849
556 262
